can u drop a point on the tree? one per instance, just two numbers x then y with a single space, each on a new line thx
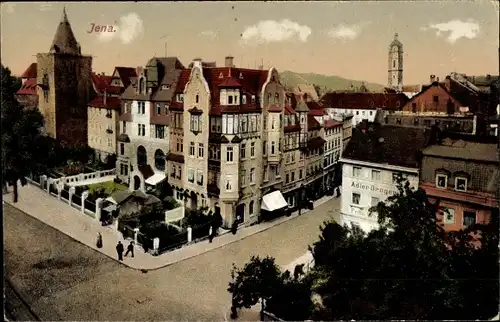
261 280
22 140
409 268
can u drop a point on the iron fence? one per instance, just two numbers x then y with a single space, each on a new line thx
76 199
90 206
53 189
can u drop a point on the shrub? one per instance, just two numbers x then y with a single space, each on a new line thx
169 236
170 203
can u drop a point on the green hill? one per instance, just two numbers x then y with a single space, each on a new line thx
330 83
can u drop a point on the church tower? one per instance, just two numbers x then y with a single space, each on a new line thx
395 79
64 79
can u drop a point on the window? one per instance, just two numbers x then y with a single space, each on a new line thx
179 145
200 150
264 148
293 176
375 201
191 148
449 216
124 127
264 123
230 100
199 177
243 148
141 107
272 147
158 109
300 174
141 130
197 98
195 125
191 175
179 176
160 131
252 149
356 172
228 184
375 175
243 177
250 207
469 218
253 99
252 175
122 149
179 98
441 181
355 198
244 99
229 154
461 184
160 160
435 99
172 174
278 172
287 178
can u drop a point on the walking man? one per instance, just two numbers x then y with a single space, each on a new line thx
119 250
99 240
130 249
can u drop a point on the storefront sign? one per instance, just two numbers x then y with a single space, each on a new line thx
374 188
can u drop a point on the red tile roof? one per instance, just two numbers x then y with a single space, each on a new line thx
30 72
316 143
28 88
274 109
289 110
332 123
229 82
101 82
312 123
250 80
112 103
385 101
292 128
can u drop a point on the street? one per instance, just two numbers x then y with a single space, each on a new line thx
62 279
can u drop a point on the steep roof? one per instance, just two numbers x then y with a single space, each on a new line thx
64 39
332 123
368 101
28 88
30 72
312 123
126 74
392 145
101 82
396 42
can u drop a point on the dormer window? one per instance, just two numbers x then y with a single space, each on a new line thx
158 109
461 184
442 181
244 99
253 99
179 98
230 100
164 87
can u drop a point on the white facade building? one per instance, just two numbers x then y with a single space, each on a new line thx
364 184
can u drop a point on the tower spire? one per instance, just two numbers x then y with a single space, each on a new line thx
64 39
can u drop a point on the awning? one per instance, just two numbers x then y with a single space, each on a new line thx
110 208
156 178
273 201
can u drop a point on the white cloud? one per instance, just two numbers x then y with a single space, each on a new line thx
347 32
210 34
45 7
275 31
455 29
127 30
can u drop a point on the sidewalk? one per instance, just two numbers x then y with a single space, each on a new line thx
84 229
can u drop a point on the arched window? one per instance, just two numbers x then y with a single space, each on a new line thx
141 85
160 160
250 207
142 156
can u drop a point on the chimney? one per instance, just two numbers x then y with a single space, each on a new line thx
432 78
229 61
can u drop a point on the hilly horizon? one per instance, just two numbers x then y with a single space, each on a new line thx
330 83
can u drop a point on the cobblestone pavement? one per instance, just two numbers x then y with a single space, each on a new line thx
63 279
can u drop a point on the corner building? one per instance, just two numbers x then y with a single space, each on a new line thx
226 134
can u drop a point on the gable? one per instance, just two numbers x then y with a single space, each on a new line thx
434 98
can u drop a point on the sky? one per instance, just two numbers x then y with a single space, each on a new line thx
347 39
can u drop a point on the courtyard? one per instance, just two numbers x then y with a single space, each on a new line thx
62 279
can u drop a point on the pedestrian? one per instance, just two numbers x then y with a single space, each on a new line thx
99 240
119 250
338 192
130 249
234 227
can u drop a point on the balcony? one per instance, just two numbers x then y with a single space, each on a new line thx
274 158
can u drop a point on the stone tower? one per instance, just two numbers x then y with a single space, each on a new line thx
395 79
64 87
